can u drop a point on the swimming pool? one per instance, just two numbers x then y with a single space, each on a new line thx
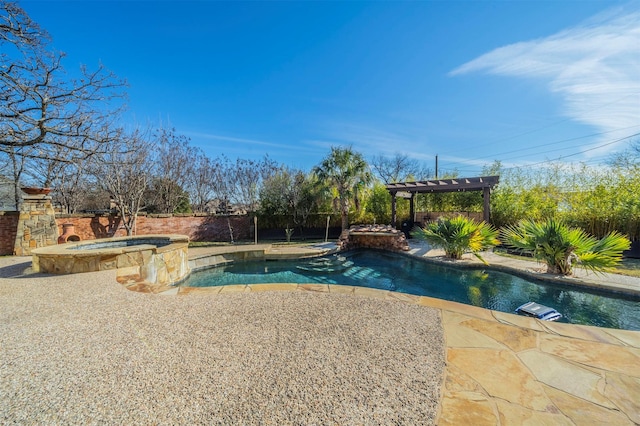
391 271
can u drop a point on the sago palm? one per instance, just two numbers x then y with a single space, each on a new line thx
458 235
561 247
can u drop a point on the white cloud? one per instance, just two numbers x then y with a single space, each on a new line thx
370 140
594 67
211 136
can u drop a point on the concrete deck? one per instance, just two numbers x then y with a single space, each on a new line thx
498 368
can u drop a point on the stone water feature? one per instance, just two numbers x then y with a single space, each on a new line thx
383 237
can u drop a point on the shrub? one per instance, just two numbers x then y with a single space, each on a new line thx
560 246
458 235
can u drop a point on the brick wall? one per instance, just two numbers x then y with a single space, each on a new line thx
8 229
198 228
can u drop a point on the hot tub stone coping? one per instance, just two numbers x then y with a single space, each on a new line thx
71 248
151 268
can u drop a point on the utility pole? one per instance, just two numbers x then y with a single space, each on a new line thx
436 166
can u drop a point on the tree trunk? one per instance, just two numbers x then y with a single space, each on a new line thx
345 221
230 229
344 212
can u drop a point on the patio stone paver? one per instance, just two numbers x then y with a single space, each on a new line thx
580 333
567 377
513 414
269 287
516 339
467 408
534 375
240 288
344 289
324 288
599 355
518 321
624 391
581 411
628 337
500 374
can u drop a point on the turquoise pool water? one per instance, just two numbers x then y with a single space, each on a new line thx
390 271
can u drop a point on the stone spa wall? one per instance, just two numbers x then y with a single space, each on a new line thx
382 237
157 260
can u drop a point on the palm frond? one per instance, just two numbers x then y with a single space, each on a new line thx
458 235
559 246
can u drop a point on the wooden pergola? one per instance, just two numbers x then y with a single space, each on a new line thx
410 189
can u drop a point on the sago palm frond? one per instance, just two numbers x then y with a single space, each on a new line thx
458 236
560 247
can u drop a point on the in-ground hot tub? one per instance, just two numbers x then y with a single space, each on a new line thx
156 259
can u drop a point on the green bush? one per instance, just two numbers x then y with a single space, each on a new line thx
560 246
458 235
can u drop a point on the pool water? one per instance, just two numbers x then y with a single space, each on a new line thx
390 271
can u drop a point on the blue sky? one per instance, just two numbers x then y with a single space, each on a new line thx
471 81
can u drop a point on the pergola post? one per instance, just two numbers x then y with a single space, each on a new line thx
412 208
486 212
393 209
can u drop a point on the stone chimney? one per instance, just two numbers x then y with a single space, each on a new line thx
37 224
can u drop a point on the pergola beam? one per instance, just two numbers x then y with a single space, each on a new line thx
410 189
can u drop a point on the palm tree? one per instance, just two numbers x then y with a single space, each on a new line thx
346 173
458 235
560 247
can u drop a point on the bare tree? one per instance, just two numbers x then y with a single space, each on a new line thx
173 168
628 158
248 177
71 185
237 183
17 28
69 180
399 168
124 171
223 185
17 167
223 188
201 185
40 107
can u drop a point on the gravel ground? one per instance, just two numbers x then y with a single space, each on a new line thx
82 349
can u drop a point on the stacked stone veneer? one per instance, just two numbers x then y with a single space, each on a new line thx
373 236
36 226
157 261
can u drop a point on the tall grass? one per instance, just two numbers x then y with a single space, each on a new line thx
597 200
